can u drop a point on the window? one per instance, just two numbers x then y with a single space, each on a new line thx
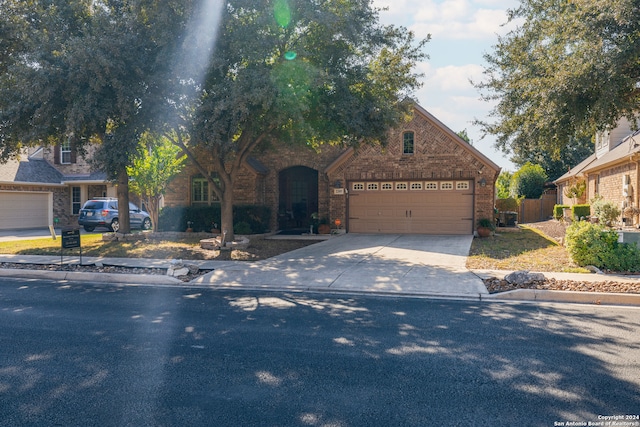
387 186
76 201
416 186
462 185
431 186
372 186
357 186
401 186
199 190
446 185
407 143
65 151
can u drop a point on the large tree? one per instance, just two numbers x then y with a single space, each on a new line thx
85 70
570 68
556 165
298 71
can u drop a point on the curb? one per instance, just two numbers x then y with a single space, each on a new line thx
543 295
142 279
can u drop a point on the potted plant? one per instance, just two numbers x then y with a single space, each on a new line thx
484 227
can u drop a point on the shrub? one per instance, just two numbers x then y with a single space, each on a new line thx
203 218
509 204
241 228
606 212
558 211
594 244
580 211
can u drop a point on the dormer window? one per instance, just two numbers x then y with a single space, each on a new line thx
407 143
602 139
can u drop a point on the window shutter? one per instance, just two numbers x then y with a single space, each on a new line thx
56 154
73 151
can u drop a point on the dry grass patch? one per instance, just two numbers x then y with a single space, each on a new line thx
528 249
183 248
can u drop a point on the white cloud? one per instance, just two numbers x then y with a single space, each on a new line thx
449 19
454 78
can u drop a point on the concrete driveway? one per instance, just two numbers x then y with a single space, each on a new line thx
388 264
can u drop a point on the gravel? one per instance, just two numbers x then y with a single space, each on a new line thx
556 230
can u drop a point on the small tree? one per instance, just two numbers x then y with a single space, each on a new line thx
528 181
502 185
158 162
606 212
576 189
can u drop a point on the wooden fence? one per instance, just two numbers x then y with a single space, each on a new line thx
534 210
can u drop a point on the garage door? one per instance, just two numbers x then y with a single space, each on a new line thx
24 210
426 207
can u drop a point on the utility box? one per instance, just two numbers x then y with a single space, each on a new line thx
507 219
629 237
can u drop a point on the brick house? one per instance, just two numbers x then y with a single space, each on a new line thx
610 172
427 180
47 185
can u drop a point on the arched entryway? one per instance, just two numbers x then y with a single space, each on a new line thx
298 198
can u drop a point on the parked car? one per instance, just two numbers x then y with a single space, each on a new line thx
103 212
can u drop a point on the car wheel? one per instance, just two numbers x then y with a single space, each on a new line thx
115 225
146 224
89 228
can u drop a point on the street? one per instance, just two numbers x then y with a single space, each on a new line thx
99 355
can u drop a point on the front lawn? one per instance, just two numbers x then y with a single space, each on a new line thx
527 249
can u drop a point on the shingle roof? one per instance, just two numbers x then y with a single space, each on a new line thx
628 146
29 171
93 176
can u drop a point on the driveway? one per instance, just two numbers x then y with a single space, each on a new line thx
389 264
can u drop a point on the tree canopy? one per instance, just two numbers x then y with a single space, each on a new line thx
301 72
86 71
528 181
218 78
571 68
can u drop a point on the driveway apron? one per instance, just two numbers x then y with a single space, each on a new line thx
380 263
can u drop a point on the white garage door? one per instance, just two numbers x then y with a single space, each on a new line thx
424 207
24 210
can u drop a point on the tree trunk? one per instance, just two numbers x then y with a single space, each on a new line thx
122 189
226 213
153 204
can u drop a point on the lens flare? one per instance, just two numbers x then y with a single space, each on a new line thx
282 13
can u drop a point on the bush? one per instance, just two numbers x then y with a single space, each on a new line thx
580 211
528 181
509 204
594 244
203 218
606 212
241 228
558 211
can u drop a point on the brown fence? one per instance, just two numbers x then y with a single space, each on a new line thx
534 210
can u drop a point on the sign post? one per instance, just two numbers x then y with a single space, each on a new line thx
70 239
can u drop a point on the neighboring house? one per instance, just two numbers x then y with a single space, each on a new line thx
427 180
47 186
611 172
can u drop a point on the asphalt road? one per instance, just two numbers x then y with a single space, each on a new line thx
82 355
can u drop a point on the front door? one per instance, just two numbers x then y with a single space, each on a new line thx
298 198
